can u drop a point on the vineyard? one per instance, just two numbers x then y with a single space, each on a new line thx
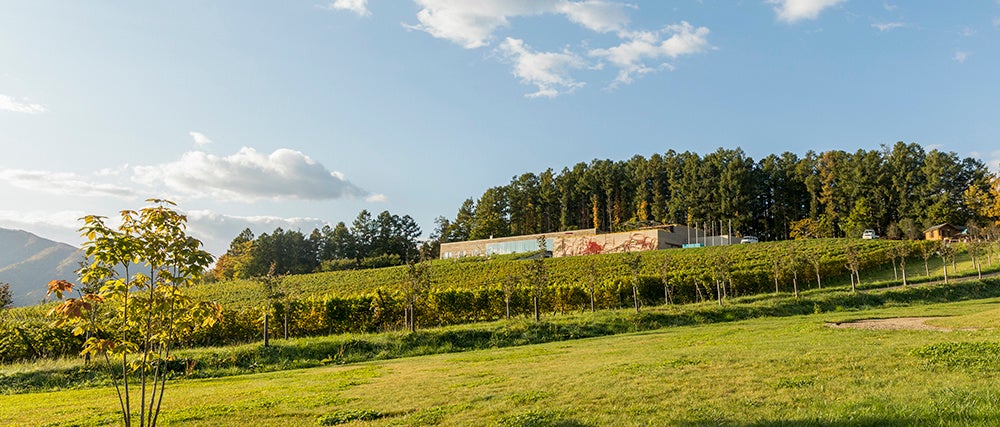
482 289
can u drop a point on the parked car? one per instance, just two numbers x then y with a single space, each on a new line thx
748 239
869 234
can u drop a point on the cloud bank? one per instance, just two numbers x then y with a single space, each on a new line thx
471 24
631 56
249 176
8 103
474 24
548 71
63 183
245 176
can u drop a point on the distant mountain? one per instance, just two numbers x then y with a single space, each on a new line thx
29 262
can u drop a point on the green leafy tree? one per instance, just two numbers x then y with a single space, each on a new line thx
509 286
853 264
947 252
6 297
272 293
592 283
908 228
418 283
721 269
975 249
927 248
142 267
817 264
539 277
665 272
793 263
902 251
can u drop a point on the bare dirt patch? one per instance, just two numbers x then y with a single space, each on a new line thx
897 323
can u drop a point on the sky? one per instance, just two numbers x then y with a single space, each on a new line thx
297 114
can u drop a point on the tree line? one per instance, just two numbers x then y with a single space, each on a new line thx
898 190
370 242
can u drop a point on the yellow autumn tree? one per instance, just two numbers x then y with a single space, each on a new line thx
985 203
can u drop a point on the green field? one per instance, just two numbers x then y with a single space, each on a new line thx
776 370
759 359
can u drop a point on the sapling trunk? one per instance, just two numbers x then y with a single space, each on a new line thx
635 297
795 283
718 291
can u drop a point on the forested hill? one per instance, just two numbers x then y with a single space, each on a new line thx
896 190
29 262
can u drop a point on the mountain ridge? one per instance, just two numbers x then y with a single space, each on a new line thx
28 262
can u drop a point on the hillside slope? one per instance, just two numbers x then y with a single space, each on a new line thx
28 262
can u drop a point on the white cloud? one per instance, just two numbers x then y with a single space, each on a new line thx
596 15
888 26
631 56
376 198
996 22
199 138
968 32
8 103
248 176
471 23
548 71
792 11
359 7
960 56
63 183
888 7
113 171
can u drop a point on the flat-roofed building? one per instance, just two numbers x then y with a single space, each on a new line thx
584 242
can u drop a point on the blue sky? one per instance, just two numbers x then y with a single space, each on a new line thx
300 113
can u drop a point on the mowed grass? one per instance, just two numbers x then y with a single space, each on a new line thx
772 371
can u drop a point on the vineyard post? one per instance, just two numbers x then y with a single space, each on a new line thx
776 271
634 263
792 260
539 276
593 284
666 280
509 283
270 284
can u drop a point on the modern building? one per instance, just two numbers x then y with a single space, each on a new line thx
585 242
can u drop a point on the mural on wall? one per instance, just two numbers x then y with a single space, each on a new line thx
601 244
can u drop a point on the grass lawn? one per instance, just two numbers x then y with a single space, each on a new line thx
787 371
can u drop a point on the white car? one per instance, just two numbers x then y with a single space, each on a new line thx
869 234
748 239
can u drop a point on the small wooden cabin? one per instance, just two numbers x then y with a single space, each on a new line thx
943 232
